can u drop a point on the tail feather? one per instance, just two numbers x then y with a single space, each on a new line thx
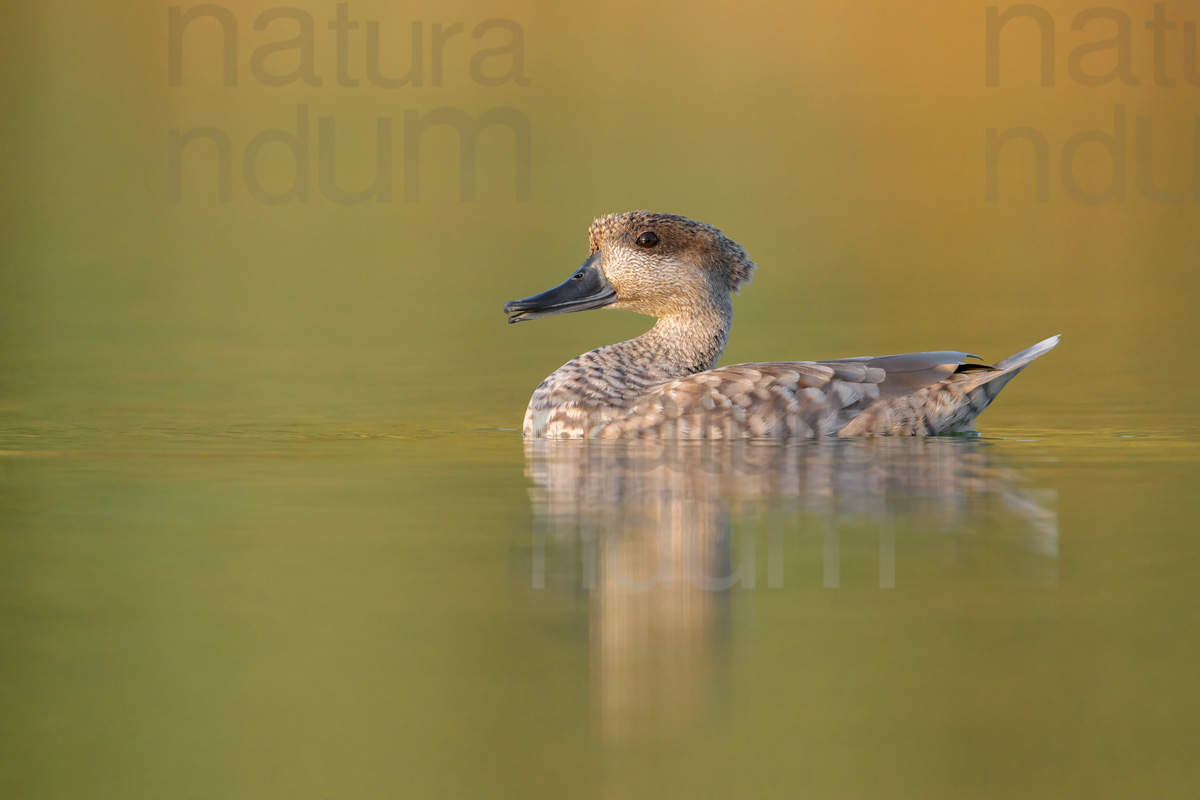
1019 360
989 383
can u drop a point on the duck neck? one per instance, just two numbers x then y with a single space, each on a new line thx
679 344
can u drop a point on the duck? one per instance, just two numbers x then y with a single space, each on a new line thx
665 384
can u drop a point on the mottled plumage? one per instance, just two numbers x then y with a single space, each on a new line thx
663 384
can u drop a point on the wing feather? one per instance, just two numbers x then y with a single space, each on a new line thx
774 399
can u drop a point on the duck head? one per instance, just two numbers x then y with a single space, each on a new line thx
657 264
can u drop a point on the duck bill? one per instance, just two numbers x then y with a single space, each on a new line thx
586 288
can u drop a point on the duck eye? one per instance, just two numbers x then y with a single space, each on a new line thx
648 239
578 276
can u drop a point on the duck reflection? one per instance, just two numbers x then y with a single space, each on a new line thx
660 534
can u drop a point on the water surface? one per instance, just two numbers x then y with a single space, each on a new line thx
313 611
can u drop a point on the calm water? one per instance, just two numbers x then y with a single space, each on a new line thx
307 610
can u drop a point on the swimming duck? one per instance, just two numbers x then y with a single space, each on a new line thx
665 383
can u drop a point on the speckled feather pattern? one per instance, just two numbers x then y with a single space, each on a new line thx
664 384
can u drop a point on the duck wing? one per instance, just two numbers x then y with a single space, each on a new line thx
773 400
906 394
910 372
915 402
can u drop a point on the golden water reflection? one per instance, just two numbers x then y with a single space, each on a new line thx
665 537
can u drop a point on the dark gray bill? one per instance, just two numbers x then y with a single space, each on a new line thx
587 288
